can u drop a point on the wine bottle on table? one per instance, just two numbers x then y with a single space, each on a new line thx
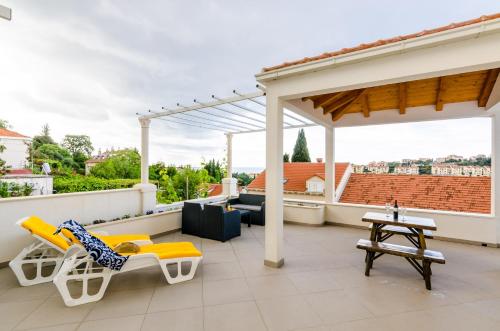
396 210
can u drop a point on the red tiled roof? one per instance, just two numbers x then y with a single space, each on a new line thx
384 42
8 133
214 189
19 172
453 193
297 173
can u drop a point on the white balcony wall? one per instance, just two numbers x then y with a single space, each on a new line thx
466 227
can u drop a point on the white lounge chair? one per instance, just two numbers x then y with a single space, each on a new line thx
49 250
81 271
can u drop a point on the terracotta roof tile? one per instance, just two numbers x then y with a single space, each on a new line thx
297 173
214 190
453 193
384 42
8 133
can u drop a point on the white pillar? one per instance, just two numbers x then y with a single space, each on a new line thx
148 191
229 137
144 150
274 183
330 165
229 184
495 170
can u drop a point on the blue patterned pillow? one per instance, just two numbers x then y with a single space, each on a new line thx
97 249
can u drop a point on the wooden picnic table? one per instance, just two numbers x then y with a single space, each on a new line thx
385 226
415 226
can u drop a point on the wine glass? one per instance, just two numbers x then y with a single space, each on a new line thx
403 212
387 209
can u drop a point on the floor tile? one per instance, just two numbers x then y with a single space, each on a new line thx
176 296
130 323
314 281
218 271
54 312
242 316
226 291
175 320
337 306
271 286
288 313
12 313
121 303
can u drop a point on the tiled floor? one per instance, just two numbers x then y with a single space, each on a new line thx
321 287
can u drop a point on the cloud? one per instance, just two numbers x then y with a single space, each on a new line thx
90 66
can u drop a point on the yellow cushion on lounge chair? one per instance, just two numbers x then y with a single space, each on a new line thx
44 230
112 240
170 250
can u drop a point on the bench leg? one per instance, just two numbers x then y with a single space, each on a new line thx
369 262
427 274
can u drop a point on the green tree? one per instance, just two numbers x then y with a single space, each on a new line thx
286 157
3 168
196 182
43 139
4 124
215 170
300 151
167 192
80 144
124 163
156 170
243 178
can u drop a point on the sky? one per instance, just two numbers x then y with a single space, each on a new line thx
87 67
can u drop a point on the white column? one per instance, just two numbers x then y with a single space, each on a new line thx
144 150
229 184
148 191
495 170
330 165
274 183
229 137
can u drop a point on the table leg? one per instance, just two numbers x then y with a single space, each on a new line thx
421 239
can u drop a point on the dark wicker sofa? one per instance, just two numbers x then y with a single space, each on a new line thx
256 216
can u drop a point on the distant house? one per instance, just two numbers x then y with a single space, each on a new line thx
378 167
94 160
407 170
304 179
16 148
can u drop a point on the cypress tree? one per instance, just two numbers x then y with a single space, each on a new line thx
300 151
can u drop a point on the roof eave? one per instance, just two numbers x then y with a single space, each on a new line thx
440 38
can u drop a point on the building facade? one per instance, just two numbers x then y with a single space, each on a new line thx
16 148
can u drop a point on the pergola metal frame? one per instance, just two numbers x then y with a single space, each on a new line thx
230 121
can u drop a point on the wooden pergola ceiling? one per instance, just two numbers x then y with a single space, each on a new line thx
436 91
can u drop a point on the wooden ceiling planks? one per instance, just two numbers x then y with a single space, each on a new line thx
436 91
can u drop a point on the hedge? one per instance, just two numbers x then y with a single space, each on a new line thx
82 184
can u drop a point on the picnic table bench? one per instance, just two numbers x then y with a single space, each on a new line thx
415 229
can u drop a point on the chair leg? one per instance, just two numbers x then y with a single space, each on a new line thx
427 274
179 277
38 255
81 271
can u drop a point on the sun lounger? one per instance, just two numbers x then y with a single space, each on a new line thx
48 251
92 273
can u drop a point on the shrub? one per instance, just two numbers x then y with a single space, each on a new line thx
83 184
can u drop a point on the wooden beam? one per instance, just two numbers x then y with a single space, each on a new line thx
439 95
489 82
365 106
347 98
339 112
332 99
402 98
